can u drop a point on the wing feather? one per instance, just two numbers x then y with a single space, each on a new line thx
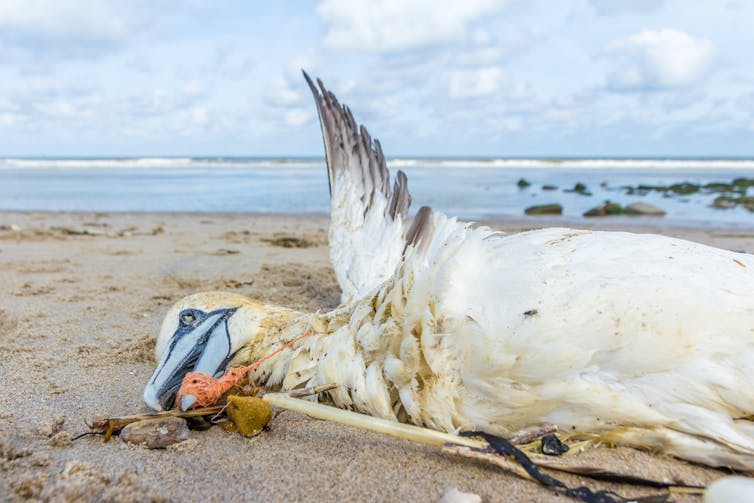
368 219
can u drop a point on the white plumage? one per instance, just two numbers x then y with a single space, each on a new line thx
644 339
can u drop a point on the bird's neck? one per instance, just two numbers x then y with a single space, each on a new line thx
377 352
276 331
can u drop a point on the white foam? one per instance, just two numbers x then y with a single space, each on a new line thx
156 162
576 163
396 163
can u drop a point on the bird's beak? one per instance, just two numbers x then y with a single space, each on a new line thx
203 346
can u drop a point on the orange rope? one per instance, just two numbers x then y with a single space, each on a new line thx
208 390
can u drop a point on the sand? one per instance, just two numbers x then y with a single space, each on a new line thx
82 297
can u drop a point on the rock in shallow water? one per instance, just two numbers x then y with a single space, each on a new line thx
156 433
544 209
644 209
605 209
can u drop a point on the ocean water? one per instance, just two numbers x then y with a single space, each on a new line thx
469 188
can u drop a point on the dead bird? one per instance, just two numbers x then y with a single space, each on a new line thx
643 339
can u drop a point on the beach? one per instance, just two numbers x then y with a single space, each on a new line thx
82 297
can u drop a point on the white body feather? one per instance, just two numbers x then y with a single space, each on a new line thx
646 336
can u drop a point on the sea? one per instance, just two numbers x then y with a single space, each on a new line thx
470 188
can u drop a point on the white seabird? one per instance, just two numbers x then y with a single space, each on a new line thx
644 339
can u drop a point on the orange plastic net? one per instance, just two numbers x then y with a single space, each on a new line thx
208 390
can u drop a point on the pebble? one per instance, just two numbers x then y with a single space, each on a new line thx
552 446
156 433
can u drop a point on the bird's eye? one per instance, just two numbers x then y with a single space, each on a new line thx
188 318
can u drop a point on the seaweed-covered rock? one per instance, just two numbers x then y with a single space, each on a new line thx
579 188
728 202
644 209
544 209
724 202
719 187
747 202
605 209
523 183
743 182
684 188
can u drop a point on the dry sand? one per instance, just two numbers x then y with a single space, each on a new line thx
82 297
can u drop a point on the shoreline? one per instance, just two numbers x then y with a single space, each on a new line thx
629 223
78 316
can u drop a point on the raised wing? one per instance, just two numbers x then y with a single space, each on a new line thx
367 218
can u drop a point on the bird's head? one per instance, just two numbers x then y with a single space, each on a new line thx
202 333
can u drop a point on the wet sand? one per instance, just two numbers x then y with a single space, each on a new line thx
82 297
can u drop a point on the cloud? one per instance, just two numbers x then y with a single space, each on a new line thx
395 25
284 102
606 7
475 83
49 28
658 59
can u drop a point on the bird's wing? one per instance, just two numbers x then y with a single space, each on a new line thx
367 218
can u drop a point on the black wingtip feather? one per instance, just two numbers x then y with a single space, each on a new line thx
352 146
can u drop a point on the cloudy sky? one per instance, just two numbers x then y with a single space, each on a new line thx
428 77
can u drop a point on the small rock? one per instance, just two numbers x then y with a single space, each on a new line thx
552 446
544 209
156 433
549 187
644 209
523 183
456 496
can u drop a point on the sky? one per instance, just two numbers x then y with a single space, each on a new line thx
531 78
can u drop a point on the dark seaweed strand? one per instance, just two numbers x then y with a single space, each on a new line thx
581 493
